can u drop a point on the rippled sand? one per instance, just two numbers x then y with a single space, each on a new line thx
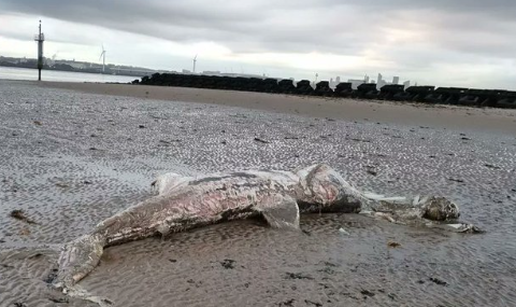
71 159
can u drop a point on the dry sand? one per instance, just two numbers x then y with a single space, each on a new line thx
452 117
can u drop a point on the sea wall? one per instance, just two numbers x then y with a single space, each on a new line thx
422 94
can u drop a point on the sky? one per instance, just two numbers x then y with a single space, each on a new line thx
467 43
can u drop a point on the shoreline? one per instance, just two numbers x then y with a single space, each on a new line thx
412 114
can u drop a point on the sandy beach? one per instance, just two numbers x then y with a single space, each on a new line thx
439 116
75 154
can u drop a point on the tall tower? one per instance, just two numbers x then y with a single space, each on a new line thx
194 63
395 80
40 38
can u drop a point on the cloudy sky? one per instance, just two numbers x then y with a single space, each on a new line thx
469 43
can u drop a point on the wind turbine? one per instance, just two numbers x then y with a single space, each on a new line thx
194 62
103 57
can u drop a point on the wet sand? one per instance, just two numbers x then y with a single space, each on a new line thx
73 158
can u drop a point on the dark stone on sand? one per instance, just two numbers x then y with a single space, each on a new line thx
17 304
323 89
456 180
172 260
51 276
393 244
298 276
367 293
491 166
228 264
20 215
371 172
60 300
141 126
438 281
313 303
287 303
35 256
425 94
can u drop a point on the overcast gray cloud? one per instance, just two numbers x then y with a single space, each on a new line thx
418 39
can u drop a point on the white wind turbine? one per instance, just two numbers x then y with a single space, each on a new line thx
194 62
103 57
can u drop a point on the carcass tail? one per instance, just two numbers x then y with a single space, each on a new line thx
379 197
78 258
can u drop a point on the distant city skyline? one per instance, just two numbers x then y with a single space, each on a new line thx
427 41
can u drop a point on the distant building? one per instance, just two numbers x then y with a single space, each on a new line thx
380 82
395 80
337 80
355 83
406 84
366 79
186 71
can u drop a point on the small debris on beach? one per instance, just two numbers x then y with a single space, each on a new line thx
367 293
37 123
491 166
20 215
298 276
343 231
224 142
287 303
62 185
456 180
172 260
438 281
392 244
35 256
360 140
51 276
465 139
313 303
141 126
261 140
370 170
87 182
61 300
228 264
17 304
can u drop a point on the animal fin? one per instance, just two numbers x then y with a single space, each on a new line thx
280 211
80 293
374 196
77 259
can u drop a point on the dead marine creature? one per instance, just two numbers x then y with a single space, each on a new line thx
184 203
